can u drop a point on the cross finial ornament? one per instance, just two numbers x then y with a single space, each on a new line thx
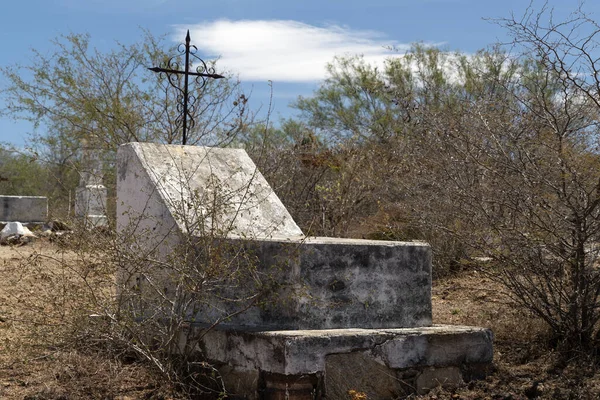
201 73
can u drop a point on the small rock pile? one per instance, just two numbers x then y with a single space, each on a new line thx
16 234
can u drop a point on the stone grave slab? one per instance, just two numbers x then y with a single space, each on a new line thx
326 282
24 209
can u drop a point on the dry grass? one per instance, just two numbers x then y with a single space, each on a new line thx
525 365
41 356
43 298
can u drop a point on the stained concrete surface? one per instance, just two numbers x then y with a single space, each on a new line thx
370 361
296 352
24 209
203 189
328 283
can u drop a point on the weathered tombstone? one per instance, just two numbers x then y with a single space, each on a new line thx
24 209
90 195
341 302
174 180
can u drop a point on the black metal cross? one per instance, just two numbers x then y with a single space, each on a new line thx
187 100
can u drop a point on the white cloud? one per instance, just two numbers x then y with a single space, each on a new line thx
287 51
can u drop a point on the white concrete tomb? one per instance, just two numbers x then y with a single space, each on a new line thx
346 314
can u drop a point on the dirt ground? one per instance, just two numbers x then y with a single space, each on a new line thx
40 295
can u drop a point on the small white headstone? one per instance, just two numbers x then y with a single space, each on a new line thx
90 195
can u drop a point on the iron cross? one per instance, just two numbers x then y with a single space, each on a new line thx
172 71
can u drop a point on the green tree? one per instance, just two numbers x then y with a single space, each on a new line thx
21 174
110 98
79 92
492 154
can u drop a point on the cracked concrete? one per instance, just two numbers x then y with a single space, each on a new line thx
304 351
383 363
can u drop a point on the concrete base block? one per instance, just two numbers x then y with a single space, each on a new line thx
382 363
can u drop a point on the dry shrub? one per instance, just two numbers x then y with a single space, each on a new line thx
59 307
47 294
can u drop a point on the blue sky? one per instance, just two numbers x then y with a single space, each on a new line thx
286 42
